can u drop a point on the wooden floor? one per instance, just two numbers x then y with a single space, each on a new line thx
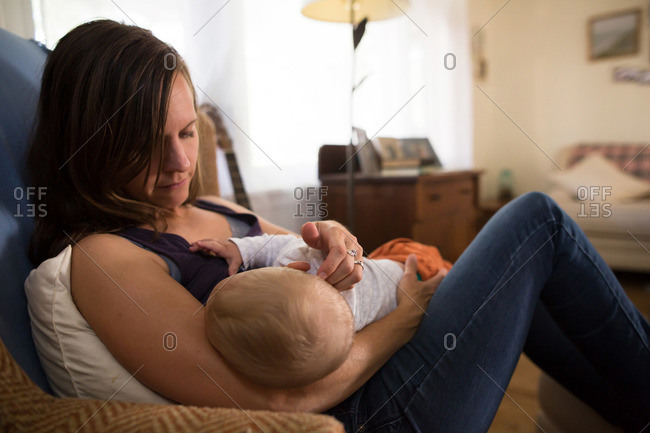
516 411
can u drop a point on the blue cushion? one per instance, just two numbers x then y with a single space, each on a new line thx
21 66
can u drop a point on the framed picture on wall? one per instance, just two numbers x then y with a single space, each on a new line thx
614 35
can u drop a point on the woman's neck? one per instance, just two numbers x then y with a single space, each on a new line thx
175 217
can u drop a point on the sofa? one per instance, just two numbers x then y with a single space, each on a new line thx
26 400
605 188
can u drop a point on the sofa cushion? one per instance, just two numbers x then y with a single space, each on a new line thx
632 157
21 64
76 361
595 171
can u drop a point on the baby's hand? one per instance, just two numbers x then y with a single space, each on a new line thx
228 250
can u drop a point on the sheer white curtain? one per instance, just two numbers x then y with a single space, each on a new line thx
283 80
428 50
54 18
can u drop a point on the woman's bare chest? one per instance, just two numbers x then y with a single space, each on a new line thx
201 224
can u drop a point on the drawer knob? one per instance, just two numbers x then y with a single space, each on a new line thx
434 197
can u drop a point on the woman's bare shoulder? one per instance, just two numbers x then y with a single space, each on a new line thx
101 240
223 202
113 249
100 256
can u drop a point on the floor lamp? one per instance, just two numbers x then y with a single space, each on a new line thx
357 13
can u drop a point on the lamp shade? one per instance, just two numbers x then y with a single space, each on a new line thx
338 11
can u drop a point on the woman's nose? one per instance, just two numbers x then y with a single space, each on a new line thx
175 157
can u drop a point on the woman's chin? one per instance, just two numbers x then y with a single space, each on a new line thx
172 201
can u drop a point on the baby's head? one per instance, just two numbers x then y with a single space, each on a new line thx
279 327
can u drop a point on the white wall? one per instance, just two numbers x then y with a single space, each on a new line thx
16 17
539 74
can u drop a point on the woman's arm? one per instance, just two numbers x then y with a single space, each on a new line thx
136 309
154 326
372 347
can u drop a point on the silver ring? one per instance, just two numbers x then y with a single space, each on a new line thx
352 252
360 263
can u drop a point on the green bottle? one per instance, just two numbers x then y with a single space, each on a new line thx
505 185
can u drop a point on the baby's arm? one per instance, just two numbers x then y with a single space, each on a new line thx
251 251
227 250
263 251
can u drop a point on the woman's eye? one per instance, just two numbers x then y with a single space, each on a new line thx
187 134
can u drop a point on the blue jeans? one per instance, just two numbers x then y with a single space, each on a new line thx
529 281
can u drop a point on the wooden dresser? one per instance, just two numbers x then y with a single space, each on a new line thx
439 209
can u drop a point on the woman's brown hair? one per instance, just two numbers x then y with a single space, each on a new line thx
101 116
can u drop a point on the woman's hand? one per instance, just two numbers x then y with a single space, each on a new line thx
339 268
228 250
413 296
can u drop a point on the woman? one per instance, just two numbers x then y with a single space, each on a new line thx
116 146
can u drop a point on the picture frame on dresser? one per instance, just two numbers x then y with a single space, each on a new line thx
406 152
369 159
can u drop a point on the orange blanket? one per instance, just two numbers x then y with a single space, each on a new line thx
429 259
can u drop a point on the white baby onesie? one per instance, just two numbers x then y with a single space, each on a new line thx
370 299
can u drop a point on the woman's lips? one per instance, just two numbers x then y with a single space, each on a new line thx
175 185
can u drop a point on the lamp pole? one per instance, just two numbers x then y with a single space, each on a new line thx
335 11
350 150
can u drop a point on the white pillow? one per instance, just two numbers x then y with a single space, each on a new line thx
597 176
76 362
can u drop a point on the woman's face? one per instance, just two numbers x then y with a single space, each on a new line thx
179 160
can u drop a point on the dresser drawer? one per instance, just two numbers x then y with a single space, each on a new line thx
442 198
435 208
451 233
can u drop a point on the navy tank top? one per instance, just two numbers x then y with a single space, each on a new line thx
197 272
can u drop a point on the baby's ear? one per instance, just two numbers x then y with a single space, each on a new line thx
301 266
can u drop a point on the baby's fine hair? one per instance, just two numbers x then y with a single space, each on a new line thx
279 327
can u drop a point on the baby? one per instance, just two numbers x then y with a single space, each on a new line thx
285 328
279 327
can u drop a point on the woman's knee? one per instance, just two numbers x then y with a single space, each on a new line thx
536 202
